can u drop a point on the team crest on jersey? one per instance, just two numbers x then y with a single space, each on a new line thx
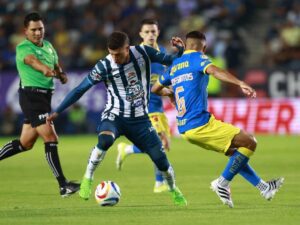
39 52
131 77
135 93
204 57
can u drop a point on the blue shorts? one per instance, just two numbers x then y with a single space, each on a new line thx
137 130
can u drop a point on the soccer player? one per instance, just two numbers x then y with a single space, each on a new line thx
149 33
188 77
126 73
37 64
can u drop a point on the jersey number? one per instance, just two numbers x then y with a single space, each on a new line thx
180 101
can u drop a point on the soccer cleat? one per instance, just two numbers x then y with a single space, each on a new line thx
160 188
85 188
274 186
68 189
121 155
178 197
223 193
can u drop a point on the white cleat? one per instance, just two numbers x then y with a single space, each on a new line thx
223 193
274 186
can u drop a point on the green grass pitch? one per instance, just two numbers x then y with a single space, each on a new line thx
29 193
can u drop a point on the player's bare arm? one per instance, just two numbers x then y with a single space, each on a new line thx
161 90
225 76
36 64
60 74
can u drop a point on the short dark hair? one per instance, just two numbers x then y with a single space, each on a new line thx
117 40
148 21
196 35
33 16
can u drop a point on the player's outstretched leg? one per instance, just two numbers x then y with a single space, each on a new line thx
223 191
267 189
95 158
273 187
11 148
177 195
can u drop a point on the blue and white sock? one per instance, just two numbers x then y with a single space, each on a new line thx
96 156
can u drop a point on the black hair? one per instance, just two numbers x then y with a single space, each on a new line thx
148 22
33 16
117 40
196 35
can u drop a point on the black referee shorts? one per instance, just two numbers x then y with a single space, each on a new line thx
35 104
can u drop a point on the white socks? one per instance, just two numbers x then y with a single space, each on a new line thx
95 158
262 185
223 182
169 177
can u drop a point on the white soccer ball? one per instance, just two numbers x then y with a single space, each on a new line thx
107 193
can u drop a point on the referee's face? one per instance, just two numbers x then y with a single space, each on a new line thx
35 32
120 55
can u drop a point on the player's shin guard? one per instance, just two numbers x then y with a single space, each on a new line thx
11 148
96 156
169 177
54 163
236 162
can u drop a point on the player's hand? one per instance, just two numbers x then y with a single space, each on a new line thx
177 41
63 78
247 90
51 117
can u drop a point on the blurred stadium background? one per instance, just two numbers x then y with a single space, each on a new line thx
258 41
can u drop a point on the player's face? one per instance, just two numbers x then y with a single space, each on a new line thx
149 33
35 32
120 55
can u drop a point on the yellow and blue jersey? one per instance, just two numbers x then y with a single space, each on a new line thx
189 80
157 69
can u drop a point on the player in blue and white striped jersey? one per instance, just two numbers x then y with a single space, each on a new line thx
126 73
149 32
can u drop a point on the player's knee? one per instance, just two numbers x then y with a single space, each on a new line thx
105 141
252 142
22 146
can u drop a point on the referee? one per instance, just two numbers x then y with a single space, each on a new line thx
37 64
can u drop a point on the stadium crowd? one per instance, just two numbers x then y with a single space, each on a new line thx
283 38
78 29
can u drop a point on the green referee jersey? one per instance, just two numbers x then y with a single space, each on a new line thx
28 75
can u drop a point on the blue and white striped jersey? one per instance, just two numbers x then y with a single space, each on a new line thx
128 85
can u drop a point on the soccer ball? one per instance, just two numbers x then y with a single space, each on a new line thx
107 193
